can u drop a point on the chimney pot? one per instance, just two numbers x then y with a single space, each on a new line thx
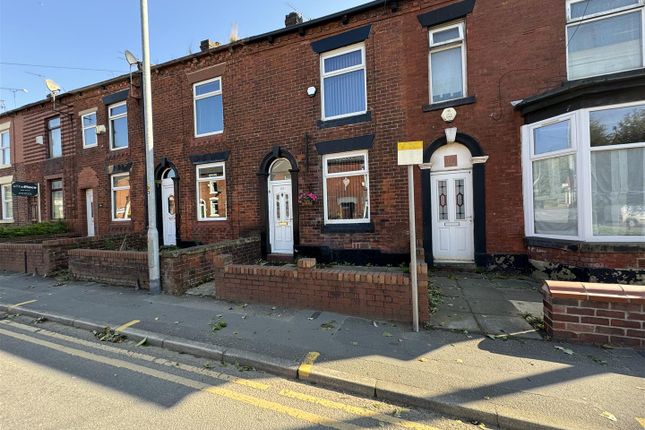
207 44
293 18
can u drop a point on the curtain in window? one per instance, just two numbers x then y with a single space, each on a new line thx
605 46
555 206
345 93
447 76
618 192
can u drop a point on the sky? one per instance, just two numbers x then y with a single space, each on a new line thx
77 35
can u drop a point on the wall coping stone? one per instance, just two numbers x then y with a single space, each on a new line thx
595 292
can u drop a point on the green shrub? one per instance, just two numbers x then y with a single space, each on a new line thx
40 229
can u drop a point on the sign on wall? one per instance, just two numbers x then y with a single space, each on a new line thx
410 153
25 189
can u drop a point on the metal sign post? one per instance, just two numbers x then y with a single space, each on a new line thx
410 154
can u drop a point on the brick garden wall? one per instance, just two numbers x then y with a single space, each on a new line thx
595 313
186 268
126 268
22 257
376 294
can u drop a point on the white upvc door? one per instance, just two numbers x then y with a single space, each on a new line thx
169 212
89 210
281 217
452 217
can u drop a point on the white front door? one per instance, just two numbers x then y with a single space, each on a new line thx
89 210
452 217
169 212
281 217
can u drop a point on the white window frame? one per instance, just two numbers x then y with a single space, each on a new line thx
323 75
5 189
200 201
326 175
572 22
113 200
83 128
112 118
203 96
581 141
443 46
2 149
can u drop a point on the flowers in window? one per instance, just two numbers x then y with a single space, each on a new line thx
307 199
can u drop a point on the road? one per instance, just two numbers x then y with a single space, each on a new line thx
57 377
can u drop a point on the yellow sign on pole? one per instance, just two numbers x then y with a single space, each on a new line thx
410 153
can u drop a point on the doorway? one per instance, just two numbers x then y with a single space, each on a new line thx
280 205
452 217
169 208
89 210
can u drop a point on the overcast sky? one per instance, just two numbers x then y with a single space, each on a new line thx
91 34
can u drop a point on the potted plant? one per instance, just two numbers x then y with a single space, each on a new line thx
307 199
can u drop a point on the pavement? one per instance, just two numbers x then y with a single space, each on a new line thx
506 381
59 377
487 304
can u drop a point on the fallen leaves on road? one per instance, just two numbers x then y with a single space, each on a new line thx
565 350
387 334
142 341
609 416
459 360
108 335
217 326
329 325
423 359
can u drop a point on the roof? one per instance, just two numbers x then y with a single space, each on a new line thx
251 39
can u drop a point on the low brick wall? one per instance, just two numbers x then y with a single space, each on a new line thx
44 257
180 269
126 268
595 313
183 269
373 293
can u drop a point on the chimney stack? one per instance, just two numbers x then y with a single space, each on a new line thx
207 44
292 19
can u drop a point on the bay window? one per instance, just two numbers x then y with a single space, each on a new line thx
344 84
584 175
604 36
211 188
346 188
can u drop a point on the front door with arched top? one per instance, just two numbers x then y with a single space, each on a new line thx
280 205
169 208
452 205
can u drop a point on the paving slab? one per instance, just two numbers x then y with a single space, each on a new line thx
516 326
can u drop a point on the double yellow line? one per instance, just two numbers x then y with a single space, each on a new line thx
216 390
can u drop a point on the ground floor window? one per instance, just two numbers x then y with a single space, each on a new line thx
7 202
121 206
211 188
346 187
584 175
57 200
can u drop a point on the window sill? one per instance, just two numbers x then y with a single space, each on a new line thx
365 117
363 227
578 246
450 103
6 221
212 133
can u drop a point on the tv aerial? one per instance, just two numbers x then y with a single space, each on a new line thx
14 91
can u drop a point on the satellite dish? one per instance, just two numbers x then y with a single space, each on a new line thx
52 86
130 58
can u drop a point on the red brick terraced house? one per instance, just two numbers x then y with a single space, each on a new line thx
547 168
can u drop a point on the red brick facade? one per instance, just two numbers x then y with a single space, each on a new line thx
267 110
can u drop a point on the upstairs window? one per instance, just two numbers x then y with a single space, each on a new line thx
88 124
208 106
447 63
5 148
346 188
118 120
604 36
54 138
344 84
